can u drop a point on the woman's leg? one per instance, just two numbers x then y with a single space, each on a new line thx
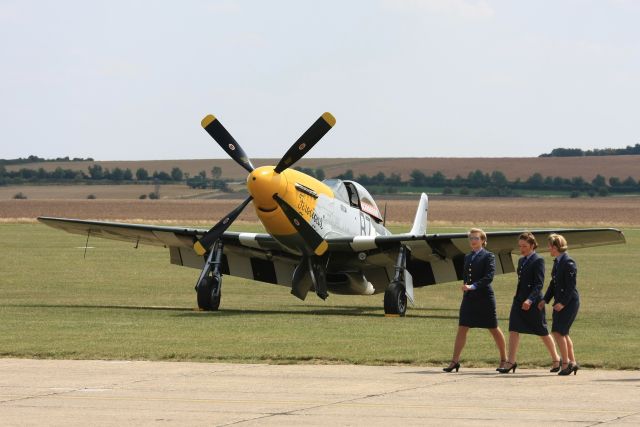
514 341
498 337
572 357
461 340
562 345
551 347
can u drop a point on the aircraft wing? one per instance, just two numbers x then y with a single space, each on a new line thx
250 255
439 258
435 258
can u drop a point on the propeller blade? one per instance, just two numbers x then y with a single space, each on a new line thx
226 141
315 242
202 246
306 141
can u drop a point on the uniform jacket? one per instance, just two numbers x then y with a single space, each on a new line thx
563 280
530 279
480 272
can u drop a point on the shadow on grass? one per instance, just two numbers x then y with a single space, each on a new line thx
372 311
490 372
329 311
104 307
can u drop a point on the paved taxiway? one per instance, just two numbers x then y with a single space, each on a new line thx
68 392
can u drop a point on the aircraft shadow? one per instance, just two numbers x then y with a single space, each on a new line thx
373 311
329 311
107 307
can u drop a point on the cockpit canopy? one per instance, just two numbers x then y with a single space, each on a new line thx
355 195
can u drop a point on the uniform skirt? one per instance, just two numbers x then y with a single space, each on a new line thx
478 310
532 321
563 319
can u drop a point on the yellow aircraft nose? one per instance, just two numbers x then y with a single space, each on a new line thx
262 184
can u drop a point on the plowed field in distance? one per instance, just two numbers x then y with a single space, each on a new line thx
522 212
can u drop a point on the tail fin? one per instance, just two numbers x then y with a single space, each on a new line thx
420 222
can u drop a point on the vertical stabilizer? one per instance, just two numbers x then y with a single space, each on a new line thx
420 222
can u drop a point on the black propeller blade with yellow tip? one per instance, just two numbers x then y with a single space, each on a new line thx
306 142
316 243
218 132
202 246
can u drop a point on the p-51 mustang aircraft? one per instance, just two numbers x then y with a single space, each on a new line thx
326 236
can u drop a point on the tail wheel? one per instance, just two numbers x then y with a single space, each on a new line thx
395 299
206 300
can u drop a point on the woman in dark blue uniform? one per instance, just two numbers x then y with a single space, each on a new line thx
478 307
526 317
566 301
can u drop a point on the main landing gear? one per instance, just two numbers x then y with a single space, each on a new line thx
395 297
209 286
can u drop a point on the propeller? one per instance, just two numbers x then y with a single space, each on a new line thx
202 246
316 243
318 129
306 142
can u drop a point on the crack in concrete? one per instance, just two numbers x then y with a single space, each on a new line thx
614 420
58 393
325 405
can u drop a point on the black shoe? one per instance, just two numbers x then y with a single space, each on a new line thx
502 362
453 365
568 370
575 368
513 367
556 368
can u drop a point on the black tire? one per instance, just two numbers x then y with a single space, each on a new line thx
206 300
395 299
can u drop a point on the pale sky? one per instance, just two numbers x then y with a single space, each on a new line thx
128 80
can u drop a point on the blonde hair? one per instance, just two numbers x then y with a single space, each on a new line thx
529 238
483 235
558 242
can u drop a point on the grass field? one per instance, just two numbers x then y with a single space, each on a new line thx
122 303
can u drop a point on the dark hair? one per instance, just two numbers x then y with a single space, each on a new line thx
529 238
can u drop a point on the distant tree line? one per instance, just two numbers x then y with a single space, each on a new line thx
495 184
201 180
476 183
95 174
578 152
36 159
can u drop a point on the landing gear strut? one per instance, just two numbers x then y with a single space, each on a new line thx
209 286
395 297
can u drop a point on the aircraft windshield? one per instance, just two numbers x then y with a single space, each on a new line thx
354 194
338 188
